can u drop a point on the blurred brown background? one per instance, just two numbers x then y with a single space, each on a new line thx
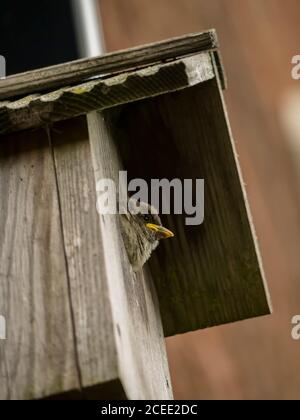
256 359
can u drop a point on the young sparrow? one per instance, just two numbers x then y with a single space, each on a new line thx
141 234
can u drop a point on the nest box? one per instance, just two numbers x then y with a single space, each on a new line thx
79 322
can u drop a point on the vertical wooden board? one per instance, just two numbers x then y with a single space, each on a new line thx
138 329
83 243
38 357
210 274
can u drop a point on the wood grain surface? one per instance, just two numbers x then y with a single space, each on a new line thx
69 73
80 324
68 102
84 253
142 361
209 274
38 357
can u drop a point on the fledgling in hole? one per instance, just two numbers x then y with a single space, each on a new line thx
141 234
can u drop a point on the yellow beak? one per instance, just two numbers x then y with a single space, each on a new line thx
161 232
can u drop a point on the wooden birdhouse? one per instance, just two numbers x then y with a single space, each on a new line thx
79 322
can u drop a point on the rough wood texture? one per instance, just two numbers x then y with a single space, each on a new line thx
117 62
39 356
84 252
138 328
36 110
210 274
79 323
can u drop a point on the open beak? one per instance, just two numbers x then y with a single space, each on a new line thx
161 232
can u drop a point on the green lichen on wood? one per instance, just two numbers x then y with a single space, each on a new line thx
102 93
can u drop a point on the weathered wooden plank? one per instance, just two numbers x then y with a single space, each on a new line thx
94 329
211 274
36 110
75 310
38 358
142 359
117 62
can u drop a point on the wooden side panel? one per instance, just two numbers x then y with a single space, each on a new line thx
38 358
83 242
209 274
138 328
80 324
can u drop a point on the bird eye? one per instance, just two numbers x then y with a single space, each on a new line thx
146 217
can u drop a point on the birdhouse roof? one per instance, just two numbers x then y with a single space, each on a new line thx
68 90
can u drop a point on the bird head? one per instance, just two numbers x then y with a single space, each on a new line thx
148 221
142 230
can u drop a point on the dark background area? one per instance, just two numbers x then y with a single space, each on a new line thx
36 33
